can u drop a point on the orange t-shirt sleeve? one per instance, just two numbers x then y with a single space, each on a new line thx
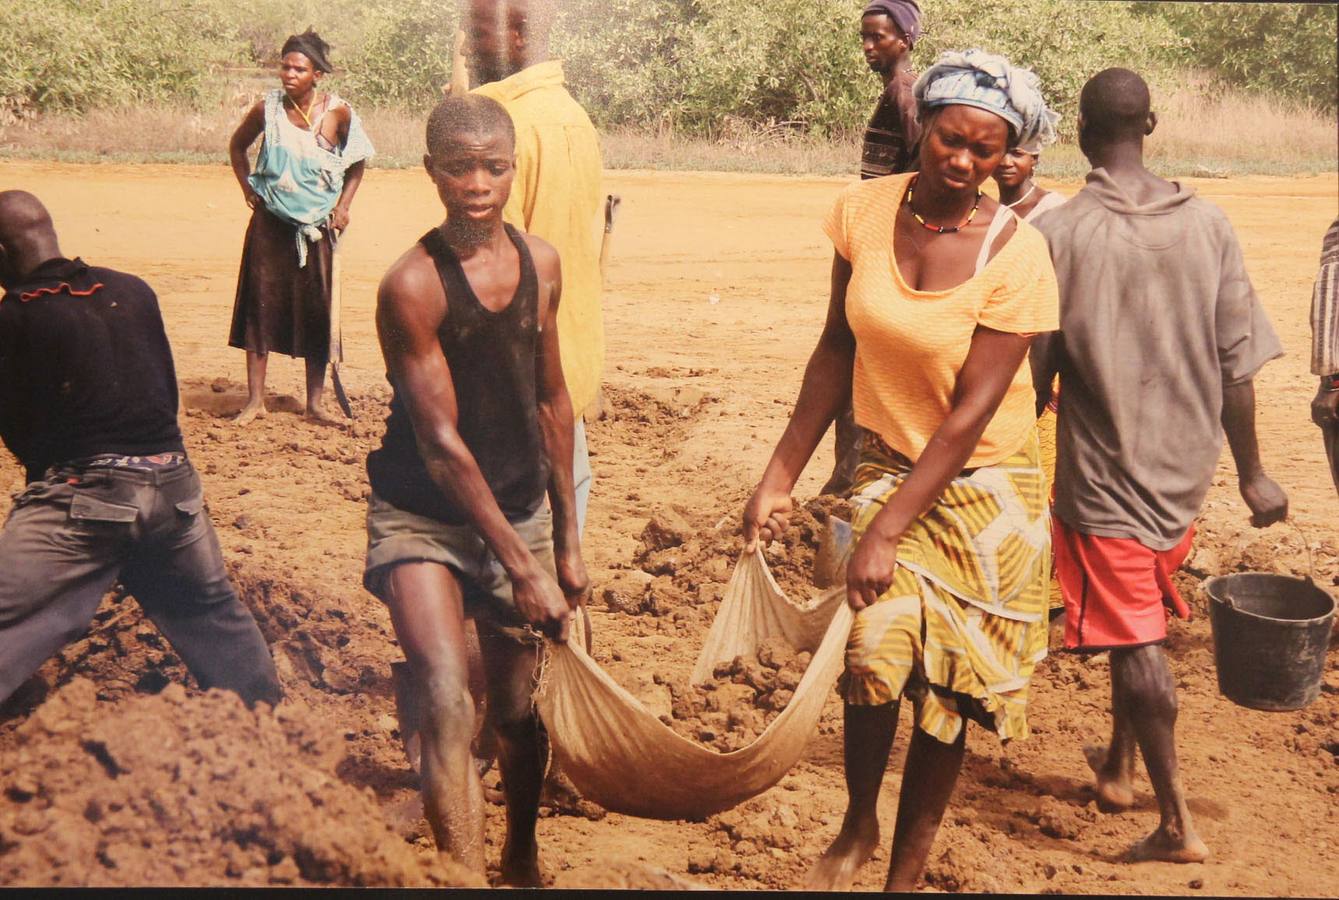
1027 301
836 226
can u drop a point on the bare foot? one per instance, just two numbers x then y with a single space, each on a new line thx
319 416
1164 847
561 795
1114 794
837 867
253 410
520 869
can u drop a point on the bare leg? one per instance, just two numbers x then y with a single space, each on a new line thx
255 388
428 614
485 744
522 751
1143 691
1113 764
408 716
867 739
316 392
928 778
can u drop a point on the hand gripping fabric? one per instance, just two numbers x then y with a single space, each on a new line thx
625 759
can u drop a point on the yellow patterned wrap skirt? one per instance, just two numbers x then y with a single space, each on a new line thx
964 623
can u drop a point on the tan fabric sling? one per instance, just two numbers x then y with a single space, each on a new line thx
622 757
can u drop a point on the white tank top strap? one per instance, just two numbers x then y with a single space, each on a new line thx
1050 200
1002 216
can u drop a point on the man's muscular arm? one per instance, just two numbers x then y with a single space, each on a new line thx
411 306
556 424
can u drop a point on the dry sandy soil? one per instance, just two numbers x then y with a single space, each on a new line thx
115 770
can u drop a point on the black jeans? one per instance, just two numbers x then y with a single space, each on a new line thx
69 538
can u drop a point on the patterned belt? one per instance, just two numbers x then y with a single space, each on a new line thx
150 463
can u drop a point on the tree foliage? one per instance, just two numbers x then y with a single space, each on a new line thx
701 66
77 54
1288 49
404 54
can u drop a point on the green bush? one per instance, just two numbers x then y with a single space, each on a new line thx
704 67
1286 49
700 65
618 56
1063 41
799 64
405 53
71 55
263 25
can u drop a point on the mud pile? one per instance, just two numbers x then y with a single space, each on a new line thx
740 701
755 837
174 790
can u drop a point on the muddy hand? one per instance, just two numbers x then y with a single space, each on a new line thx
1325 408
766 516
542 603
870 572
1267 501
572 577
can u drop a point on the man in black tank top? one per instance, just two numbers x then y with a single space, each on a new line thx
479 432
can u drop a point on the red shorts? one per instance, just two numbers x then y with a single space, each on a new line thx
1117 592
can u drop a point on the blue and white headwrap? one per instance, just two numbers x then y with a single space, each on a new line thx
990 82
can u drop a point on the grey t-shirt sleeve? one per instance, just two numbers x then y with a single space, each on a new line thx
1246 339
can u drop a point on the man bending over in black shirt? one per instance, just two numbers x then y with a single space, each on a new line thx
88 404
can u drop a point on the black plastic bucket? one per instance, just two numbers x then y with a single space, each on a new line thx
1270 634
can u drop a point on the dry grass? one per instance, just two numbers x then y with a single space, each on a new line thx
1226 133
1200 133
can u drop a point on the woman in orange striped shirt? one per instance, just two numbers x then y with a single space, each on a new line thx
937 291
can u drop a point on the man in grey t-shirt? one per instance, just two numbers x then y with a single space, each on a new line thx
1160 336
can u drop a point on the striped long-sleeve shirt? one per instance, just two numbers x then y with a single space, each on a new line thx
1325 307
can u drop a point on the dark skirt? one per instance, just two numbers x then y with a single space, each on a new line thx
281 307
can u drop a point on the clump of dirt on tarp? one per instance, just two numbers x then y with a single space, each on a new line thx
743 697
683 567
175 790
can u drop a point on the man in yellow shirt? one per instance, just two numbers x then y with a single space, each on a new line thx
556 194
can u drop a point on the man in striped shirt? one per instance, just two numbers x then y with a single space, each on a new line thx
1325 347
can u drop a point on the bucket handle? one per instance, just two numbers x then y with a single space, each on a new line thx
1310 559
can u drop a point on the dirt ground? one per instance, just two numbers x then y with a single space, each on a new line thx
112 773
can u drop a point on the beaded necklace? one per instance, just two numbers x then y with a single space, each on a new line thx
940 229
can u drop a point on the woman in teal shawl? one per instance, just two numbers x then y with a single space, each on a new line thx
309 167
